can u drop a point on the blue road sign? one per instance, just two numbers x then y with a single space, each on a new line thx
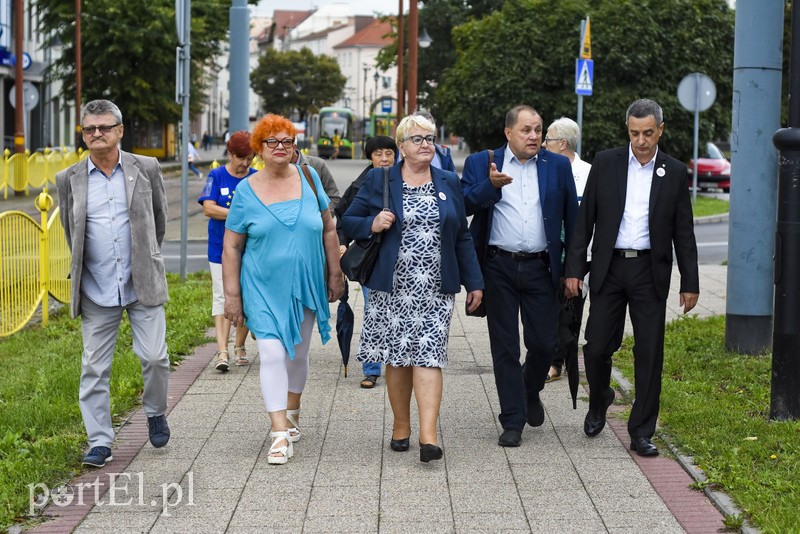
584 76
386 105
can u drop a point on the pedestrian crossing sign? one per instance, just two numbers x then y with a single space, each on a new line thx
584 75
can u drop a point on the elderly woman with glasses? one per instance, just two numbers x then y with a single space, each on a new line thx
426 255
216 199
277 287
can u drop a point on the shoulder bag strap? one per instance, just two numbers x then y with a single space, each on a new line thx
310 181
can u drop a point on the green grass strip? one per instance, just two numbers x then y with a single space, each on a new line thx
706 206
715 408
41 431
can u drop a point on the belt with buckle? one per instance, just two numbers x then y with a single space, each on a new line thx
522 256
630 253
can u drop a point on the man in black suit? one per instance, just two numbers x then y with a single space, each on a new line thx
636 204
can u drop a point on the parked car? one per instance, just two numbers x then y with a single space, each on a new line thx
713 169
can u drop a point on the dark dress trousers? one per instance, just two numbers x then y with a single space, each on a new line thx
525 287
641 283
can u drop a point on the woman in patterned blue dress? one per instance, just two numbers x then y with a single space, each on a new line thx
426 256
278 287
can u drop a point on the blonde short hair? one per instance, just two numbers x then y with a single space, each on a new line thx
411 121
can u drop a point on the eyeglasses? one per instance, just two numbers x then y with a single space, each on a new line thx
287 142
103 128
548 139
418 139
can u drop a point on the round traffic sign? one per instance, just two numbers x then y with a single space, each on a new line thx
30 96
696 92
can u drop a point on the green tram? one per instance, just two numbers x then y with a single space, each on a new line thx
330 120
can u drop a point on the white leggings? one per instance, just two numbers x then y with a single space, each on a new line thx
280 374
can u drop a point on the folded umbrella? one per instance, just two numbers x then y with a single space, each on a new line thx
345 320
571 349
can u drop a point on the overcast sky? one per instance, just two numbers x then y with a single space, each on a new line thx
357 7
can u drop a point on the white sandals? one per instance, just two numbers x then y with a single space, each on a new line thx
294 430
279 455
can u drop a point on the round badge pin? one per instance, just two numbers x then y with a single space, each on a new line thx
130 178
660 171
442 195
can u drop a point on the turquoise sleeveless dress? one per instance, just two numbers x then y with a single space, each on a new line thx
283 263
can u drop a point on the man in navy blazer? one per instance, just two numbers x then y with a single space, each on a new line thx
637 207
520 201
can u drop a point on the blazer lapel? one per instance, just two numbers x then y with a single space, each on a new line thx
130 172
395 191
622 177
79 184
656 181
542 169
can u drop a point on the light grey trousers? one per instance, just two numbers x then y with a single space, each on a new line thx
99 326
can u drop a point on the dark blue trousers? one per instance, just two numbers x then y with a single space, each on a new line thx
515 287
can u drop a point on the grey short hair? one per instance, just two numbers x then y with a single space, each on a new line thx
513 114
566 129
409 122
101 107
427 115
644 107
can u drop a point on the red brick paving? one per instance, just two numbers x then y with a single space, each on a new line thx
129 441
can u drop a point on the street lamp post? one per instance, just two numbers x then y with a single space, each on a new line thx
400 45
364 92
413 30
376 77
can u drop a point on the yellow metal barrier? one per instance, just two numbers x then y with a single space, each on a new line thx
22 172
34 263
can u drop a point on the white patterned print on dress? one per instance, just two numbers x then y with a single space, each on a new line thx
410 325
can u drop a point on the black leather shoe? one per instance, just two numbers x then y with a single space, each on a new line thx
535 412
510 438
643 447
596 418
428 452
399 445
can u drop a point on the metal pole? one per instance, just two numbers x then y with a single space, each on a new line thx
239 61
580 97
19 109
696 134
78 74
785 400
400 45
187 57
413 31
757 65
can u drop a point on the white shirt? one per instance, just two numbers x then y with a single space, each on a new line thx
518 224
634 230
580 173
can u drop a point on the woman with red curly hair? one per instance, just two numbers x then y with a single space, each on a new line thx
278 287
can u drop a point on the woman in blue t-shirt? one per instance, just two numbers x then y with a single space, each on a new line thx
216 200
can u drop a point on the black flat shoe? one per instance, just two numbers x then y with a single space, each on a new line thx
596 418
643 447
399 445
510 438
428 452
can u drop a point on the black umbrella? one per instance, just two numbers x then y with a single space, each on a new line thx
571 319
345 320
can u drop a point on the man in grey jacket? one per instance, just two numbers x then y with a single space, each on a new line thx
114 211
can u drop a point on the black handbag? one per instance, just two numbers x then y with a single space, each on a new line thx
358 261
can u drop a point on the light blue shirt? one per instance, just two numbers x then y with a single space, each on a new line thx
518 223
106 278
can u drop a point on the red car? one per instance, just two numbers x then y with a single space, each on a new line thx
713 170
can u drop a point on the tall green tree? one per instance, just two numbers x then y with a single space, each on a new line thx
296 80
438 18
525 53
128 52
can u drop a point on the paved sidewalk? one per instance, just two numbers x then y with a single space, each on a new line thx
344 477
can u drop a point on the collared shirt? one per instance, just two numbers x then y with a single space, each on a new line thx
106 278
580 173
518 224
634 230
